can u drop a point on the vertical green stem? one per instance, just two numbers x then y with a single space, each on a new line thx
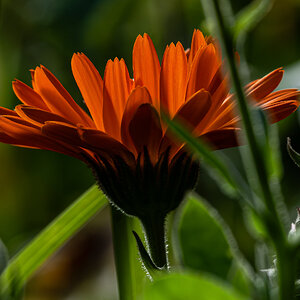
286 267
124 245
156 238
257 158
273 222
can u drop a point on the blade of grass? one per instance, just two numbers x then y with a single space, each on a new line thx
269 212
222 168
256 156
55 235
250 16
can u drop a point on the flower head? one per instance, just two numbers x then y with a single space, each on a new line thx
139 165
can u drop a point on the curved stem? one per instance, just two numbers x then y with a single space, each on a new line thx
124 246
156 238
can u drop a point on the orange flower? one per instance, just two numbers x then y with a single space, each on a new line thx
123 139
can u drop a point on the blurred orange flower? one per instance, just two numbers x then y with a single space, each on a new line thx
124 128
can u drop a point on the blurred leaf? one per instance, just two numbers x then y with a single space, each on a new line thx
202 239
239 277
189 287
3 257
207 245
295 156
54 236
251 15
255 225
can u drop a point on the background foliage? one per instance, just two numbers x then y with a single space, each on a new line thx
37 185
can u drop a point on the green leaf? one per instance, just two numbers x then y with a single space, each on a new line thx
295 156
251 15
206 244
256 225
189 286
3 257
239 277
55 235
203 243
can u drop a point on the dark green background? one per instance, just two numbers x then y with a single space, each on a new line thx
36 185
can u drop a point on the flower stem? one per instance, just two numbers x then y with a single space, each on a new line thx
270 215
124 246
286 268
247 122
156 238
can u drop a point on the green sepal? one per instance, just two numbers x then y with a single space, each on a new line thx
148 263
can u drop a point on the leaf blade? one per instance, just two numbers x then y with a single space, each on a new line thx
189 286
24 264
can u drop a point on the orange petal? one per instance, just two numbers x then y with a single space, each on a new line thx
218 90
217 80
203 69
219 94
116 90
137 97
105 145
90 84
6 139
193 111
190 115
281 110
23 133
146 67
58 99
63 132
28 96
145 130
37 116
264 86
5 111
198 41
173 78
187 53
222 138
281 104
282 95
223 115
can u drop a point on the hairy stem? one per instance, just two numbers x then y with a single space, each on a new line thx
124 246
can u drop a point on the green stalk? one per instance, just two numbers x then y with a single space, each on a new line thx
24 264
286 268
124 250
257 157
273 222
